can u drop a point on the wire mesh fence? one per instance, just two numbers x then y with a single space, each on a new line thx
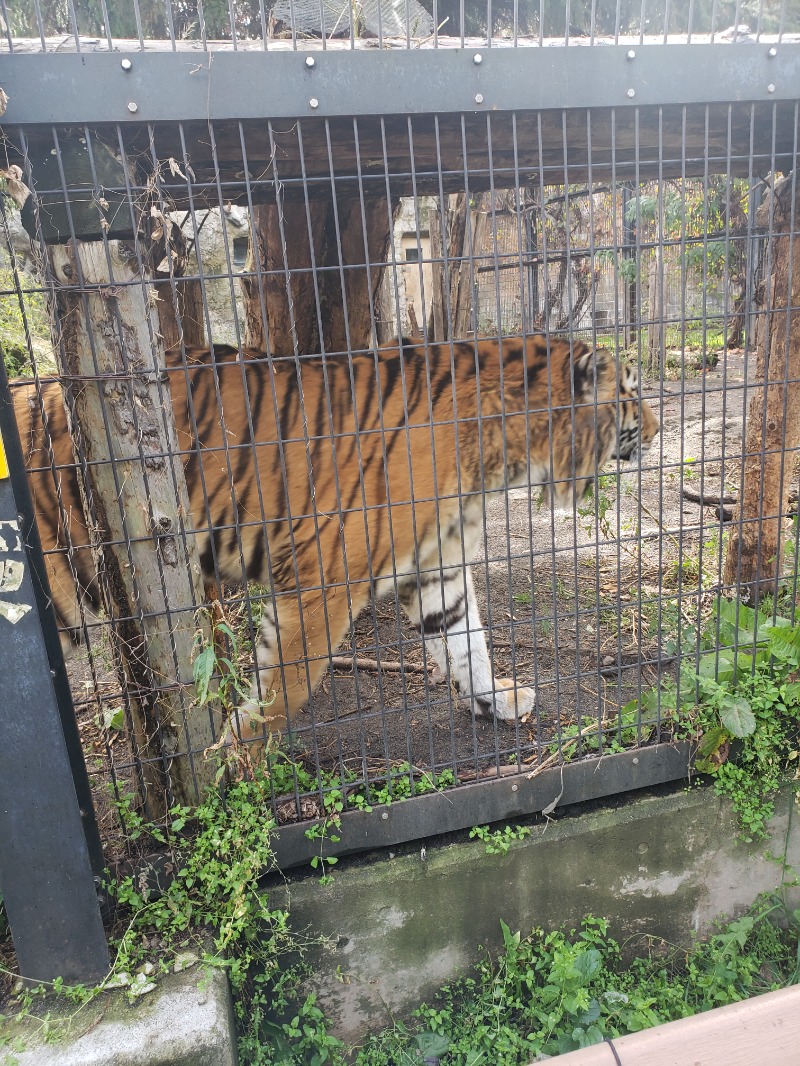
295 24
277 529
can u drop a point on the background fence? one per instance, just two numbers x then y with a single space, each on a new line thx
305 209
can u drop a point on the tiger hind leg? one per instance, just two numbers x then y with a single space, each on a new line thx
445 610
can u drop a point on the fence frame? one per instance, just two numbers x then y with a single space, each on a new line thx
96 87
52 858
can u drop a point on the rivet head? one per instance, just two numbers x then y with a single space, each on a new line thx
772 53
770 88
515 788
631 54
385 816
477 59
635 760
478 98
310 61
133 107
631 93
126 64
313 102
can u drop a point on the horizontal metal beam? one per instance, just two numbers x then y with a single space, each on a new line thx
90 88
496 800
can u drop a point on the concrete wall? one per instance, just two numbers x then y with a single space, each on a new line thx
402 926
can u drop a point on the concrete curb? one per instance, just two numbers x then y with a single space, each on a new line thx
187 1021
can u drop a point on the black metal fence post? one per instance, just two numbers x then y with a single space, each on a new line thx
49 845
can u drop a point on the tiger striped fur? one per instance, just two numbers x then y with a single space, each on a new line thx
335 481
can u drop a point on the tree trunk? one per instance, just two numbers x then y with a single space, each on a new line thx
460 273
184 323
451 313
437 313
472 240
281 304
123 425
292 275
754 560
358 245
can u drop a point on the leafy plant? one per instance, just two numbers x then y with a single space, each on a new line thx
24 324
737 695
597 508
550 993
498 841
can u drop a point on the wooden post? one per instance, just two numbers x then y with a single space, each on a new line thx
123 425
352 312
281 255
179 302
437 309
339 244
754 560
181 320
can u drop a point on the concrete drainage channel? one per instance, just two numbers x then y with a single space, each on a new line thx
402 925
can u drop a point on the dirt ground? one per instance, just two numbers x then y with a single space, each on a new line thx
577 604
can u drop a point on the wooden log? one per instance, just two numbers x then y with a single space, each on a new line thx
121 419
357 242
180 314
281 306
754 560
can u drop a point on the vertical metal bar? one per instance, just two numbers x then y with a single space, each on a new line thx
557 670
527 323
389 501
291 732
48 835
504 491
452 338
597 591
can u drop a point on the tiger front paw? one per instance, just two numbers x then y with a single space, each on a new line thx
512 701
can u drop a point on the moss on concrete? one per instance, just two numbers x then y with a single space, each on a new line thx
665 866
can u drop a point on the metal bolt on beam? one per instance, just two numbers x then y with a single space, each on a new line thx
133 107
478 98
772 53
126 65
477 59
313 102
631 93
770 88
310 61
631 54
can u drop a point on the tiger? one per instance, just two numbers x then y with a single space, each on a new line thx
335 481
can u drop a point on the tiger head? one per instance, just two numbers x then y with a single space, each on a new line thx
605 419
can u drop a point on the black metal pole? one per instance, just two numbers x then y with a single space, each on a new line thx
49 844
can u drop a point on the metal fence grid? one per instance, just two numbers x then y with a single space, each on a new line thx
312 242
304 24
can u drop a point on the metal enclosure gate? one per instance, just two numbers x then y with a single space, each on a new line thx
304 186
